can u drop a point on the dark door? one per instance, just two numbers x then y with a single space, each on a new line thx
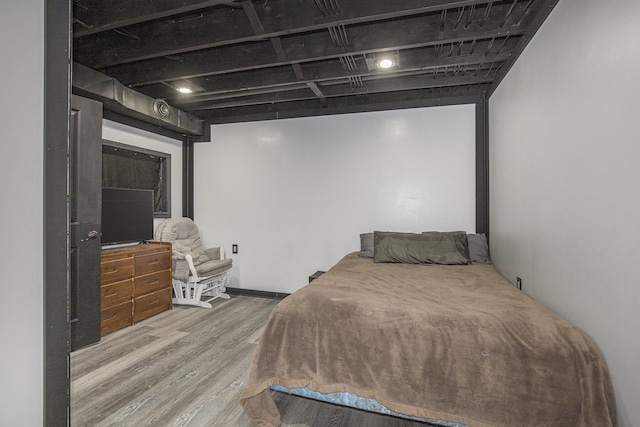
85 186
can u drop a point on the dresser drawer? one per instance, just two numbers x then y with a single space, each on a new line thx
115 318
151 282
116 293
152 262
150 304
117 269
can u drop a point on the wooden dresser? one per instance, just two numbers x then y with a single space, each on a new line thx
135 284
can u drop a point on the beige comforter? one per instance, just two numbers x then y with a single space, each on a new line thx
453 343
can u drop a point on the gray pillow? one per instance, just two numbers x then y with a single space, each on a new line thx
366 245
434 247
478 248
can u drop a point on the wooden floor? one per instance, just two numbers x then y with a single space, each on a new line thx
185 367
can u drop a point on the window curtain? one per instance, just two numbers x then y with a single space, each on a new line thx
125 169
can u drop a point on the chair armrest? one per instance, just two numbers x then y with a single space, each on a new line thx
192 268
180 270
215 253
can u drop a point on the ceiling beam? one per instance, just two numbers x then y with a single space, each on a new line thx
254 19
355 104
411 61
403 84
410 33
254 58
319 94
252 15
277 19
462 64
94 16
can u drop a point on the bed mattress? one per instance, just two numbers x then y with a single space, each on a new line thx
354 401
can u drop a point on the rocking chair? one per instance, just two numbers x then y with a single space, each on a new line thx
197 272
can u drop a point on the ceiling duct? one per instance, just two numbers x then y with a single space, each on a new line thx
120 99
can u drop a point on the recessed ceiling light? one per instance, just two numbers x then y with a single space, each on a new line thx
385 63
184 86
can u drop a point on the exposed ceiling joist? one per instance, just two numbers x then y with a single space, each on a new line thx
409 34
320 55
200 31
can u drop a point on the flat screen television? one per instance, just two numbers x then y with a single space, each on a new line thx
127 215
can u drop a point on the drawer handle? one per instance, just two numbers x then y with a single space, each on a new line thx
154 301
153 281
113 316
155 261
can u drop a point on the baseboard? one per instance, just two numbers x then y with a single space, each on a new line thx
254 293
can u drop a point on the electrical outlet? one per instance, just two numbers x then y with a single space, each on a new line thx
234 249
519 283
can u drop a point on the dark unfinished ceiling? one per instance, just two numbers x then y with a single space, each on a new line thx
266 59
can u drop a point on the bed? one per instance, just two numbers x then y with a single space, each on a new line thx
456 345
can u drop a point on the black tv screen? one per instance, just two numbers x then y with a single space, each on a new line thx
127 215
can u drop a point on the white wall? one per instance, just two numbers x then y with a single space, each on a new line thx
295 194
113 131
565 165
21 227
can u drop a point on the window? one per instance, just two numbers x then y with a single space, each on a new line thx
125 166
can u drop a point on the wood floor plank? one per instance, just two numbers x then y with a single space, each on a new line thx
182 367
87 383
